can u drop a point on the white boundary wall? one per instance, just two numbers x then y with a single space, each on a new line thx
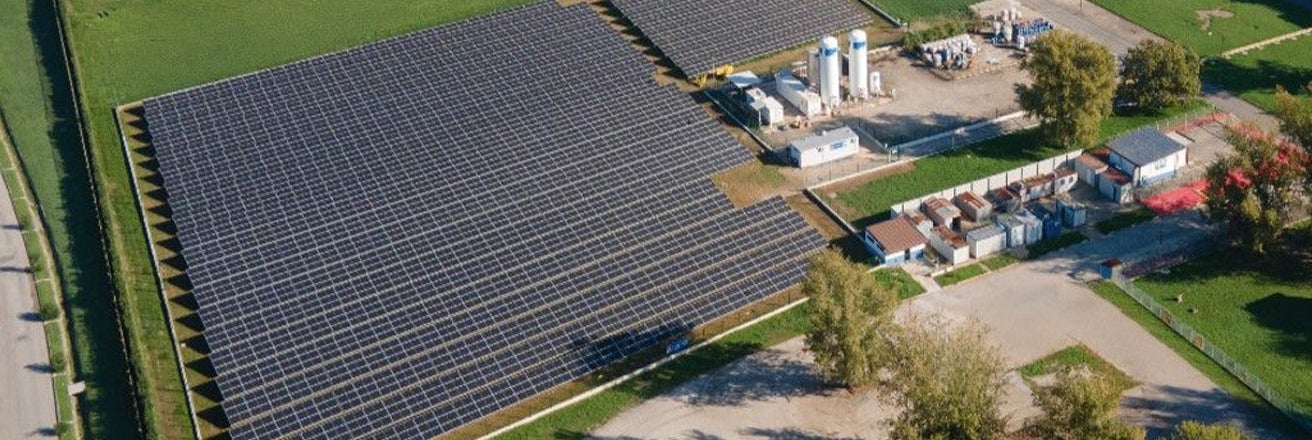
990 183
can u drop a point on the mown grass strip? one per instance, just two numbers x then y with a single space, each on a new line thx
1050 245
999 261
1125 220
959 274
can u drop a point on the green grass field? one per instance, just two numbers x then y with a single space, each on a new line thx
919 10
39 108
1198 359
960 274
1076 356
900 281
1125 220
1181 20
870 202
126 50
1256 310
1255 75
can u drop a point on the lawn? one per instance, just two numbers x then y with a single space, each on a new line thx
1049 245
1255 75
126 50
1250 21
575 421
920 10
39 109
1125 220
870 202
959 274
898 280
1072 357
1255 309
1195 357
999 261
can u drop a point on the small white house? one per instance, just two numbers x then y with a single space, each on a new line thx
986 241
894 241
827 146
948 244
1147 156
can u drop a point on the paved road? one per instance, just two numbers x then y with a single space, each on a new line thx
27 401
1120 34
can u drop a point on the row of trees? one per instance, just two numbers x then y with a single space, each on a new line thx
945 379
1075 83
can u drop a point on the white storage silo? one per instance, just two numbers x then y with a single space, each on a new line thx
857 66
813 68
830 72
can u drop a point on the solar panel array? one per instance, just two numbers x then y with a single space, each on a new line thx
397 239
698 35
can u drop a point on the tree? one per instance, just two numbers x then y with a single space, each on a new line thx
1191 430
1074 82
1159 74
947 382
849 309
1255 191
1295 115
1081 407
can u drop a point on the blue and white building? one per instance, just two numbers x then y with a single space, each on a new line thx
1147 156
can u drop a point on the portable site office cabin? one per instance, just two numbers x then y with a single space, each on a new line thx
1147 156
827 146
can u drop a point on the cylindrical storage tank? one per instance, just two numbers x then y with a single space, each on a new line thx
830 72
857 65
813 68
876 84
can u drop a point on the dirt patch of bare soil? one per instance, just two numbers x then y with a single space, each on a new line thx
1205 17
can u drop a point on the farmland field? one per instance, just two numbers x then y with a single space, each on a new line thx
126 50
1213 26
919 10
870 202
1254 309
1255 75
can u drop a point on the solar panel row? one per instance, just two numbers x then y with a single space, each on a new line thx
699 35
397 239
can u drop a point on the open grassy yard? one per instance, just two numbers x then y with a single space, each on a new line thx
1255 309
126 50
1213 26
871 202
918 10
1255 75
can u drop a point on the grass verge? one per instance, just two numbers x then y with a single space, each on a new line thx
999 261
575 421
1076 356
1213 26
959 274
900 281
870 203
1047 246
1125 220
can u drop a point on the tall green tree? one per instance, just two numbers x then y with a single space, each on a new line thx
947 381
1158 74
1256 191
1295 115
1074 82
850 311
1081 407
1191 430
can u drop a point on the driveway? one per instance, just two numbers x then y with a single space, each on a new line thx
1033 309
27 399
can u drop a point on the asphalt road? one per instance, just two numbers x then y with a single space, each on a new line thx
27 400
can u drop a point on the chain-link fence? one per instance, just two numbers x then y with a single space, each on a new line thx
1295 412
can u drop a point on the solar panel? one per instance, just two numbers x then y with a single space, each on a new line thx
397 239
698 35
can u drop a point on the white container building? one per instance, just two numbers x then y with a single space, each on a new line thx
857 66
825 147
986 241
769 112
796 93
830 73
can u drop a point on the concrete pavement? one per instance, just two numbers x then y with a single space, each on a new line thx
27 400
